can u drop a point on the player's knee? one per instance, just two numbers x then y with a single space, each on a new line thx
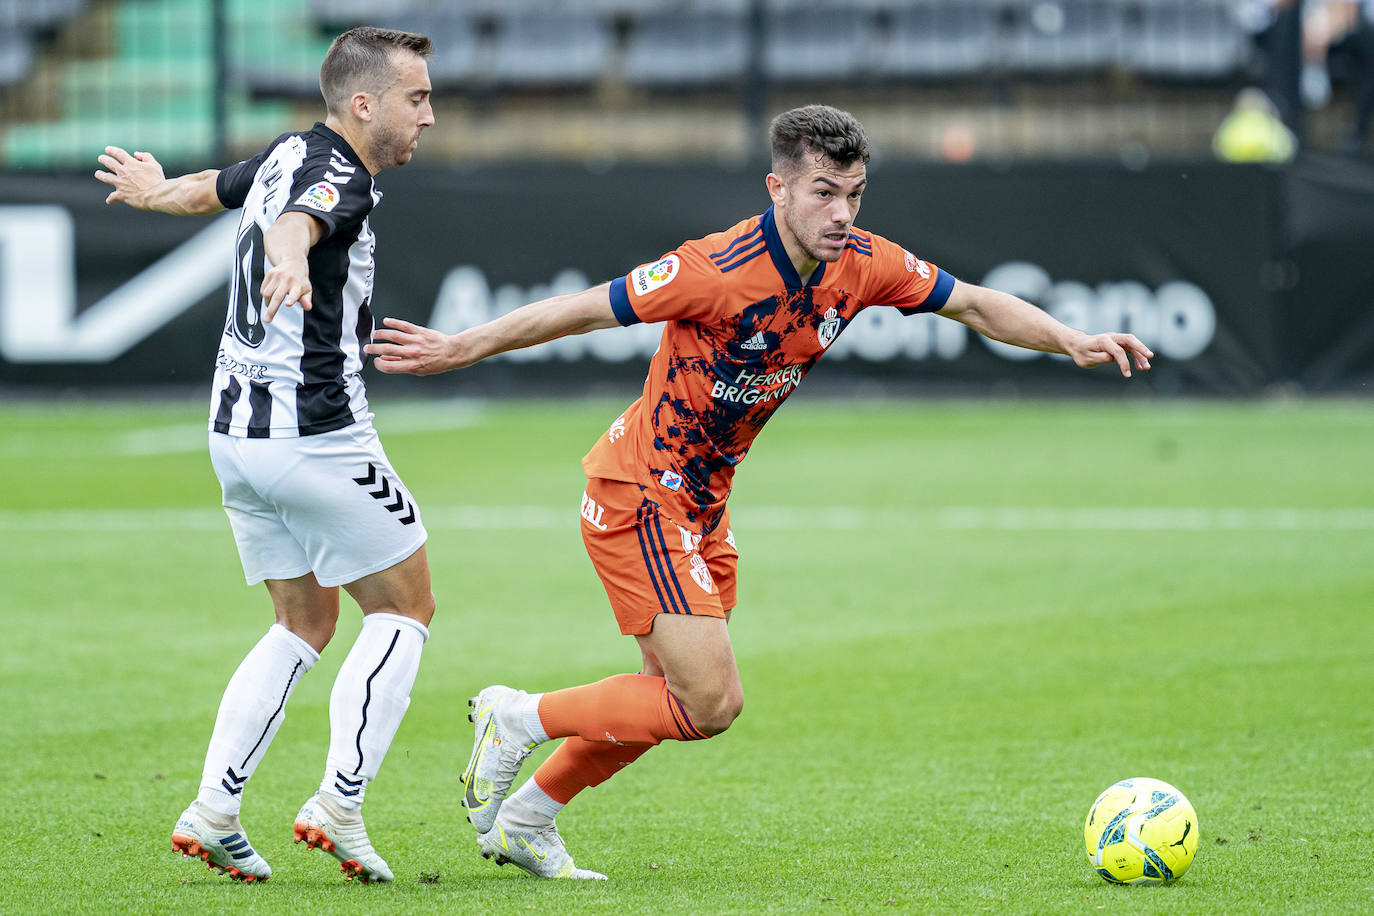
315 631
719 714
423 609
419 608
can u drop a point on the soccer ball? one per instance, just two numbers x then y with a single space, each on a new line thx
1141 831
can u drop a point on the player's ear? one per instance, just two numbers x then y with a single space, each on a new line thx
362 105
777 188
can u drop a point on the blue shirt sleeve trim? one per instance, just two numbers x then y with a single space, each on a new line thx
620 303
939 295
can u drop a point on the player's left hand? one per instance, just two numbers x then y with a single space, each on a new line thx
286 283
132 175
403 347
1091 350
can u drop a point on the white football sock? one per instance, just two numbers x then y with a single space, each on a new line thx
251 711
530 806
369 699
529 717
520 717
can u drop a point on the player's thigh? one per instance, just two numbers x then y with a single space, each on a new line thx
346 506
267 548
692 651
646 565
401 589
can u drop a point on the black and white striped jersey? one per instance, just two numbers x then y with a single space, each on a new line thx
302 374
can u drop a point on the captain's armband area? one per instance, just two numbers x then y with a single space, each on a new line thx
620 303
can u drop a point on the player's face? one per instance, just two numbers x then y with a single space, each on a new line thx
820 203
403 110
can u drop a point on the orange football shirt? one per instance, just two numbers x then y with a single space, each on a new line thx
742 331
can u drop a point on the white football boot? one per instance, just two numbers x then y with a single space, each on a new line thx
538 850
499 746
339 831
218 840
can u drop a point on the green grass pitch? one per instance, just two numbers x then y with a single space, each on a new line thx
958 623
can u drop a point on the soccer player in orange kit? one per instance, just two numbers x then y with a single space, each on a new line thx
747 312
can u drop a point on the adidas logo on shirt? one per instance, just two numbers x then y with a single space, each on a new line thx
755 343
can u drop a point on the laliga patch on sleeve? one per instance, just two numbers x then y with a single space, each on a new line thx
916 265
650 277
322 196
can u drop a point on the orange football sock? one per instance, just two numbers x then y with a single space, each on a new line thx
623 709
578 764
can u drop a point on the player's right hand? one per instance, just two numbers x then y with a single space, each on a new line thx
403 347
132 175
1092 350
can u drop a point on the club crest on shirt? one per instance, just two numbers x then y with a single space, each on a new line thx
829 328
321 196
650 277
671 480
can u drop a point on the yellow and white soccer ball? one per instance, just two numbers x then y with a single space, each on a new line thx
1141 831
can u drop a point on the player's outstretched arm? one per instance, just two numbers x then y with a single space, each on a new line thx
403 347
1004 317
138 181
287 244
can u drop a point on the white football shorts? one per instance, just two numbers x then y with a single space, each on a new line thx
329 503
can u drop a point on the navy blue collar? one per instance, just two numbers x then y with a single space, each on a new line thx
778 252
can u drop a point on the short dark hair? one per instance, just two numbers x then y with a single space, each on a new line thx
819 130
361 59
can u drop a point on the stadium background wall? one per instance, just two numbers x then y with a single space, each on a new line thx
1241 278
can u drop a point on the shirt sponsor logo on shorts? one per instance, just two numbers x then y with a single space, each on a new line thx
651 276
671 480
321 196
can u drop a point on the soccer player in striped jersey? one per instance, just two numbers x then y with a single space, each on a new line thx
312 499
747 313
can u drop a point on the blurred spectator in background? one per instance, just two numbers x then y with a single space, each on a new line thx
1338 36
1253 131
1277 29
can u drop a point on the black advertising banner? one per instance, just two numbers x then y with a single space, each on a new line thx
1329 243
1203 262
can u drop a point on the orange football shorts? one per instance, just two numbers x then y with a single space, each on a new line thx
649 564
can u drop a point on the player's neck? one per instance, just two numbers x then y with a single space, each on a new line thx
804 264
356 139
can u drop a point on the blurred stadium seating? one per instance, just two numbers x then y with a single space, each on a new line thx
1037 78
